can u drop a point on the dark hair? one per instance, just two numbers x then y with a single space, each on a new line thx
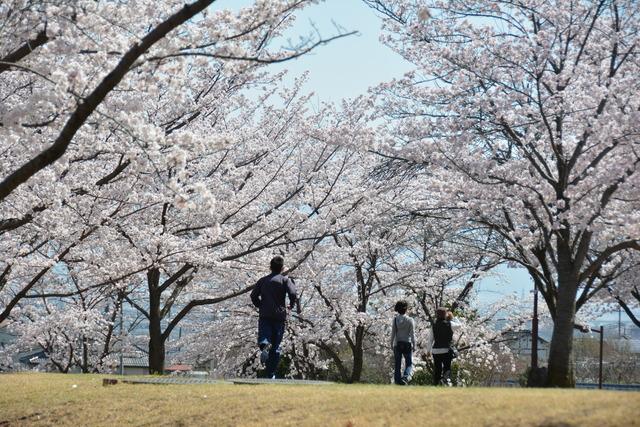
441 313
277 263
401 306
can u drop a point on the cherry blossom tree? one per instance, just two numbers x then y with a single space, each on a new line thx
319 207
182 246
352 286
349 284
91 91
527 114
59 51
334 203
623 287
78 332
443 263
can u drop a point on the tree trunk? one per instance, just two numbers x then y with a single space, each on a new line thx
156 350
561 349
85 356
156 340
356 373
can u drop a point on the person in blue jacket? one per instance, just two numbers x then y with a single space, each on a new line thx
269 296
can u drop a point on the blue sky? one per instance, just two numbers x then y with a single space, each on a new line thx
347 67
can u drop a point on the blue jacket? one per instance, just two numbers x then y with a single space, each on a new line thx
269 296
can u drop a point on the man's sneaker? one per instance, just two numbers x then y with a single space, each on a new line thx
404 381
264 354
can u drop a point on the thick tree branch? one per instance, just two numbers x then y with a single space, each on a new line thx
604 255
197 303
87 106
24 50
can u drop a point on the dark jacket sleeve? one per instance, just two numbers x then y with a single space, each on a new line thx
291 291
255 295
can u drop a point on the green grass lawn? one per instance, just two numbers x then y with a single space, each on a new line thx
79 400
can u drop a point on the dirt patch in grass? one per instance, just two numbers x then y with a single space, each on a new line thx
46 399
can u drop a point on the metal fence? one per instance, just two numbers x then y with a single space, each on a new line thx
605 386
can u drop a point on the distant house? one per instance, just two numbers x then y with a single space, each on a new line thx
178 369
520 343
134 365
32 359
27 359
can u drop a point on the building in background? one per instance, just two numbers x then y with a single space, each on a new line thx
135 365
520 343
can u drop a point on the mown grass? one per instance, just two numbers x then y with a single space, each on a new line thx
79 400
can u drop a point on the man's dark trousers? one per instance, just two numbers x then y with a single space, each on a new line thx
271 331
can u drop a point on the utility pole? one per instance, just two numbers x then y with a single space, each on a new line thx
619 321
600 364
600 330
537 376
121 338
534 329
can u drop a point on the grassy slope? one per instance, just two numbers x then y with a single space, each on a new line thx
45 399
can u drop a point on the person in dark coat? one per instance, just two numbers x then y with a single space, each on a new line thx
441 339
269 296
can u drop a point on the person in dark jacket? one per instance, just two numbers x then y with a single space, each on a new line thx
269 296
440 347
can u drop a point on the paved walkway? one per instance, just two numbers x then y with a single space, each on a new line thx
169 380
195 380
277 381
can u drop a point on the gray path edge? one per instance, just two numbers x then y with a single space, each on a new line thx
247 381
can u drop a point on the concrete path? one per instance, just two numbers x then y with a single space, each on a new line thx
276 381
169 380
192 380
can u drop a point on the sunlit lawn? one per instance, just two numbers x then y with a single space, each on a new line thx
49 399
